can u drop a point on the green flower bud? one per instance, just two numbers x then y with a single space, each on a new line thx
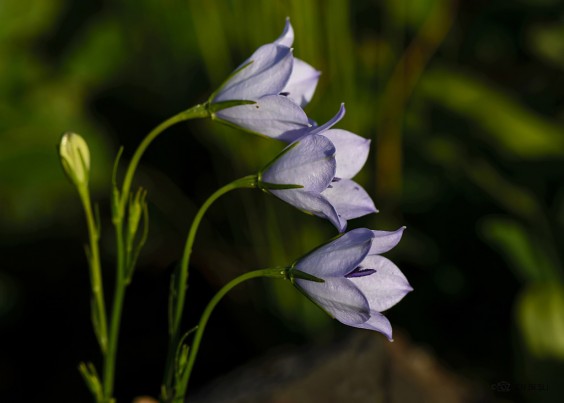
137 205
75 158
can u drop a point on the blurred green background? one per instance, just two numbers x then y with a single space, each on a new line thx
463 102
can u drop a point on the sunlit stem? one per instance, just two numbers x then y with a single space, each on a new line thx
182 281
95 270
198 111
183 385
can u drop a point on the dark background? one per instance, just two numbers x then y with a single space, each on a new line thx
462 101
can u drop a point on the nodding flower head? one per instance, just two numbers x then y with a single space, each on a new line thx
266 93
322 163
353 283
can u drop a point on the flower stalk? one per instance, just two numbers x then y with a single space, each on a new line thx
176 308
182 386
125 254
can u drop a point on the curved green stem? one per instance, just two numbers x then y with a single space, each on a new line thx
99 313
182 281
245 182
119 295
198 111
183 385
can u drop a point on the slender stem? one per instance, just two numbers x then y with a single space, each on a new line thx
198 111
95 271
182 282
119 295
245 182
271 272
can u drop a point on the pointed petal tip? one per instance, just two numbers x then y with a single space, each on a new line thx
342 225
342 111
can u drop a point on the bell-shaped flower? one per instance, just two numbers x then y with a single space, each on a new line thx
338 198
302 83
75 158
349 279
304 175
265 95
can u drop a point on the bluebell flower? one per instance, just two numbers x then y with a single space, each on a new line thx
314 163
354 283
322 161
276 87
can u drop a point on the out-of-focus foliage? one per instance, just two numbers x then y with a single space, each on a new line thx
539 311
510 127
462 101
39 100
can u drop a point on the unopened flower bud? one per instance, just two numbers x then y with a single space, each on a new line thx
75 158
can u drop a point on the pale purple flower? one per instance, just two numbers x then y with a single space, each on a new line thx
357 283
331 157
314 164
275 84
302 83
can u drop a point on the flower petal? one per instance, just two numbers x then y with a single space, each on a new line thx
274 116
266 72
384 288
330 123
352 151
349 199
302 83
313 203
287 36
385 241
339 297
339 257
377 322
310 162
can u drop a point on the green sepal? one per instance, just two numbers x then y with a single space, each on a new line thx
266 186
295 273
115 190
96 323
217 106
137 209
277 186
182 352
92 380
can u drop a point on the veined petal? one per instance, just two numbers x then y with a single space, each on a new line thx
339 297
330 123
377 322
352 151
385 241
310 163
349 199
273 116
266 72
383 288
287 36
302 83
339 257
313 203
